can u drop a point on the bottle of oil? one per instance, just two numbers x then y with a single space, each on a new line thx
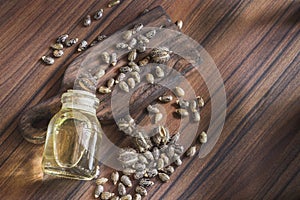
73 136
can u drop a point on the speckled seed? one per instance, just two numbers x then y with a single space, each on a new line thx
132 43
153 109
82 46
151 34
138 175
132 55
115 177
139 166
113 59
164 177
137 197
98 14
101 181
58 53
178 161
87 20
123 86
191 151
143 159
105 57
170 151
71 42
166 98
125 69
200 101
128 157
57 46
110 82
144 61
179 92
142 38
106 195
160 164
182 103
126 197
141 190
160 54
48 60
155 153
99 189
138 27
141 47
165 158
100 73
150 78
196 116
62 38
203 137
101 37
152 173
159 72
179 24
148 155
158 117
169 170
134 67
121 189
136 76
126 181
128 171
193 105
120 77
121 45
179 149
127 35
113 3
104 90
146 183
93 43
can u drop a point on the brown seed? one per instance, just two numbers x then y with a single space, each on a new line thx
101 181
104 90
113 3
203 137
87 20
200 101
126 181
58 53
150 78
121 189
106 195
115 177
57 46
132 55
191 151
48 60
182 112
179 92
141 190
99 189
144 61
166 98
164 177
98 14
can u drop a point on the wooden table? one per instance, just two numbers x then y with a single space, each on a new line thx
255 45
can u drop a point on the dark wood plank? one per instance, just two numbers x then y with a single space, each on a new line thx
255 45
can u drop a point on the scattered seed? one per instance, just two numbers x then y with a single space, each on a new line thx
203 137
164 134
141 190
175 138
141 47
132 43
144 61
150 78
179 92
134 66
82 46
115 198
121 189
155 153
101 181
115 177
160 55
87 20
146 183
196 116
151 34
158 117
126 181
191 151
160 164
113 61
48 60
120 77
71 42
152 173
106 195
113 3
127 35
125 69
169 170
128 157
110 82
193 105
179 24
58 53
93 43
143 159
179 149
136 76
200 101
105 57
132 55
170 151
142 38
165 159
159 72
104 90
99 74
182 103
121 45
101 37
153 109
128 171
148 155
62 38
57 46
138 27
166 98
98 14
99 189
178 161
139 166
164 177
126 197
138 175
137 197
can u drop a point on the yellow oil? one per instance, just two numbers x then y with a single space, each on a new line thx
70 146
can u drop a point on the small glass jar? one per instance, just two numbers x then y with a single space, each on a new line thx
73 137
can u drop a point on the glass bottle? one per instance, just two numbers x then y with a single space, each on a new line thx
73 136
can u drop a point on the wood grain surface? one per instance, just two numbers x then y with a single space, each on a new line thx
255 45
